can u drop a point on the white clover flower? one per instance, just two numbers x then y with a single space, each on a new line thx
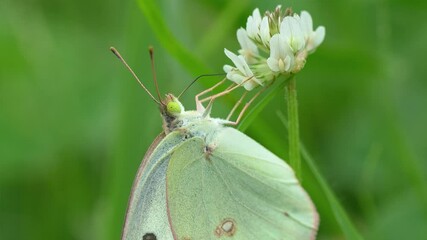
248 48
241 72
258 28
281 56
253 23
290 28
285 40
312 38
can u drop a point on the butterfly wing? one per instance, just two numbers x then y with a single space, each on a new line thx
146 215
233 188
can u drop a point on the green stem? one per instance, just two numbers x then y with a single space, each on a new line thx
294 151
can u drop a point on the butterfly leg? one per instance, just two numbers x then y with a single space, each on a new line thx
226 91
247 105
236 105
211 99
199 105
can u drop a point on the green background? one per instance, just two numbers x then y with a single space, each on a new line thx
74 125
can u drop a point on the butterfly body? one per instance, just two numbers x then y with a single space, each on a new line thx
203 180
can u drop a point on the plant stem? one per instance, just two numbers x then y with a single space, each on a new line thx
293 126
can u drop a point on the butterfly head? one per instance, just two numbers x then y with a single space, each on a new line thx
172 106
174 115
170 109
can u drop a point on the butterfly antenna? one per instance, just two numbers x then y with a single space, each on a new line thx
197 78
133 73
153 70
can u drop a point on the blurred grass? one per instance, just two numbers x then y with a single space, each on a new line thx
347 227
74 125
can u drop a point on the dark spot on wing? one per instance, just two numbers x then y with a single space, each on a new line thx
227 228
149 236
208 149
185 134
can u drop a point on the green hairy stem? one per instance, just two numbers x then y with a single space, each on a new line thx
294 153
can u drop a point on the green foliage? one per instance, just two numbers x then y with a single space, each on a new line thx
74 125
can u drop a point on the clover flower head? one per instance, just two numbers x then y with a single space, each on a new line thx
272 45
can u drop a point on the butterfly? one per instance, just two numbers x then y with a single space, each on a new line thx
202 179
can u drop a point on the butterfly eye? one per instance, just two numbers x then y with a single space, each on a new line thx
173 108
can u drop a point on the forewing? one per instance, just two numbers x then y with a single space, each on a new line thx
147 210
233 188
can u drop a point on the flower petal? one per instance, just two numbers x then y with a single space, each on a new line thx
241 37
235 59
306 22
249 85
291 29
275 46
298 40
250 27
319 36
235 77
288 63
252 24
285 30
249 49
246 70
256 15
273 64
265 31
284 48
227 68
